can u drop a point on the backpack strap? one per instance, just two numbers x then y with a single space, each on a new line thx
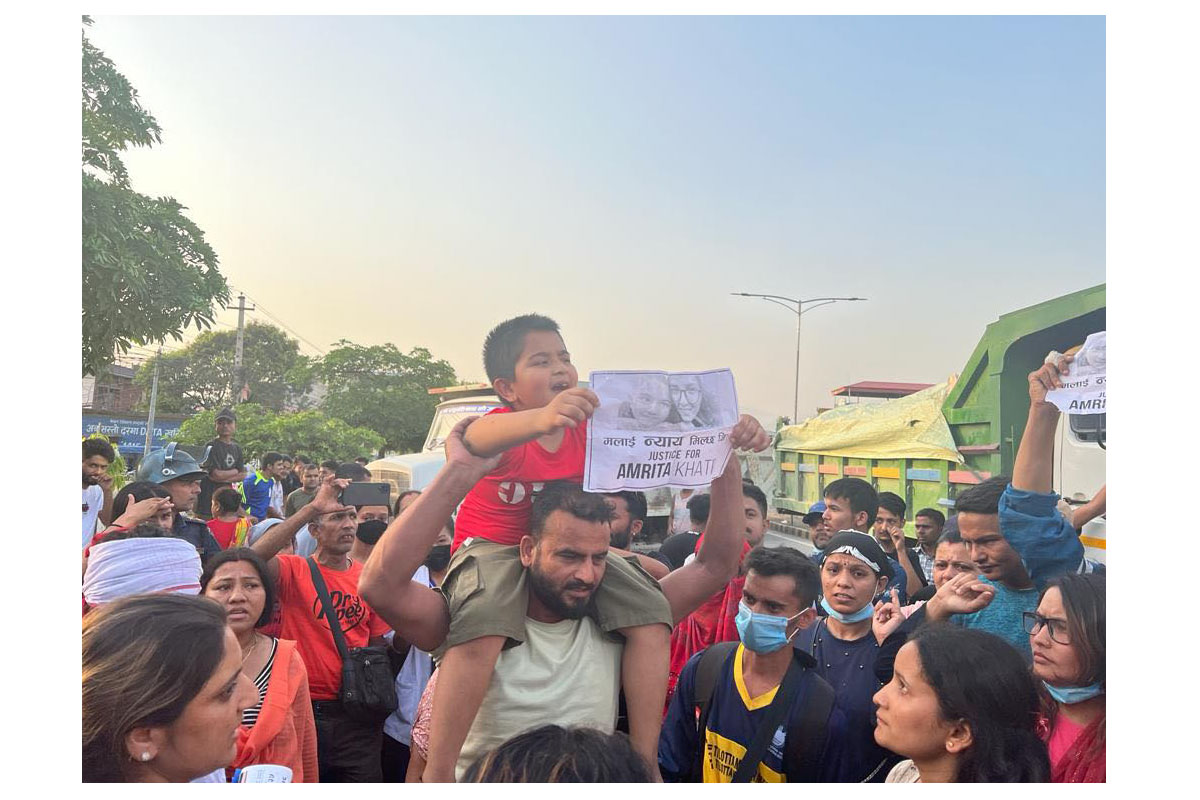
707 672
804 747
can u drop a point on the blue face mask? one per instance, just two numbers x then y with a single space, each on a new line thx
1074 694
762 633
858 616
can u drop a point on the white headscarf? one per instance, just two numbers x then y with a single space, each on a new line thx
139 566
260 528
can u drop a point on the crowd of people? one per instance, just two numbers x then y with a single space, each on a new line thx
497 626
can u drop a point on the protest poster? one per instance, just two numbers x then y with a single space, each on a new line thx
1084 385
659 429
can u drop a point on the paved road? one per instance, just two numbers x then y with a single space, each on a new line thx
776 539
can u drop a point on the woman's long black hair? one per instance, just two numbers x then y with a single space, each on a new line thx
982 680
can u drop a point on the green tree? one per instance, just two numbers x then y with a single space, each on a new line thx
383 389
148 273
201 375
310 432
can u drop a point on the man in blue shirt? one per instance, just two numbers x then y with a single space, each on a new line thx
257 488
1018 539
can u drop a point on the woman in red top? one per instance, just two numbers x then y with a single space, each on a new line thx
228 524
1067 637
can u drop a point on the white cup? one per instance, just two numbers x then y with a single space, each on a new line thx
265 773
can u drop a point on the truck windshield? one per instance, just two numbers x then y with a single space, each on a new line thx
448 415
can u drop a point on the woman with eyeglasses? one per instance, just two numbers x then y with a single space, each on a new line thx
1067 636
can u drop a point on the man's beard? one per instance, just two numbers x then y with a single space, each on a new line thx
554 600
91 480
620 539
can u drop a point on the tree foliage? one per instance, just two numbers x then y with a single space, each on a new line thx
311 433
201 375
148 273
383 389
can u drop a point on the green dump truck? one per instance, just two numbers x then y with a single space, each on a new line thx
930 446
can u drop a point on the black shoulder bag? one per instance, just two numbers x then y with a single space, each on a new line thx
368 689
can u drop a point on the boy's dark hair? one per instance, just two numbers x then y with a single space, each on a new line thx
304 460
698 506
634 501
858 493
309 465
330 465
255 560
504 344
933 514
893 503
756 494
983 498
352 471
950 534
568 497
771 561
98 447
228 500
551 754
270 458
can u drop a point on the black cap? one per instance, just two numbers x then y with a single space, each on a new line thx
862 547
226 413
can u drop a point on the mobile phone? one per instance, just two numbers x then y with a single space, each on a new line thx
367 494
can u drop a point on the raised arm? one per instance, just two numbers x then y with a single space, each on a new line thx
716 562
325 502
493 434
1029 519
416 612
1034 467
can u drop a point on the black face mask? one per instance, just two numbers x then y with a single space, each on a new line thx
438 558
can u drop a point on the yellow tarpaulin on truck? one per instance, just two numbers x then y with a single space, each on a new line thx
908 427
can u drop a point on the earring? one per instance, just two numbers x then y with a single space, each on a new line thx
146 756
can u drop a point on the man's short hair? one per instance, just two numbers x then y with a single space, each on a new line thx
859 494
634 501
305 460
893 503
933 514
400 499
771 561
755 493
504 345
568 497
352 471
310 465
98 447
330 465
698 506
983 498
950 534
270 458
363 460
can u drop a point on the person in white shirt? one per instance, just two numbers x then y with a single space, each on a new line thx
98 454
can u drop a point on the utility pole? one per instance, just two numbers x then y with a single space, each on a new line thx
238 376
153 403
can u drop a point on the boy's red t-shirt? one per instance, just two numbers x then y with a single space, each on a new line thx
304 620
497 508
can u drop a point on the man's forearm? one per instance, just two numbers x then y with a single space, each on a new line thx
1034 467
227 475
716 562
106 509
279 536
386 583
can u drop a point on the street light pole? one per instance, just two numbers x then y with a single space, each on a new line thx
799 311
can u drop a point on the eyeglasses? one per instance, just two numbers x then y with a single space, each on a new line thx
691 393
1033 622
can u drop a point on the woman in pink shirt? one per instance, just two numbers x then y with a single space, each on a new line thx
1067 638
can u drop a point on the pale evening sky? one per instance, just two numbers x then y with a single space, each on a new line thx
419 179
